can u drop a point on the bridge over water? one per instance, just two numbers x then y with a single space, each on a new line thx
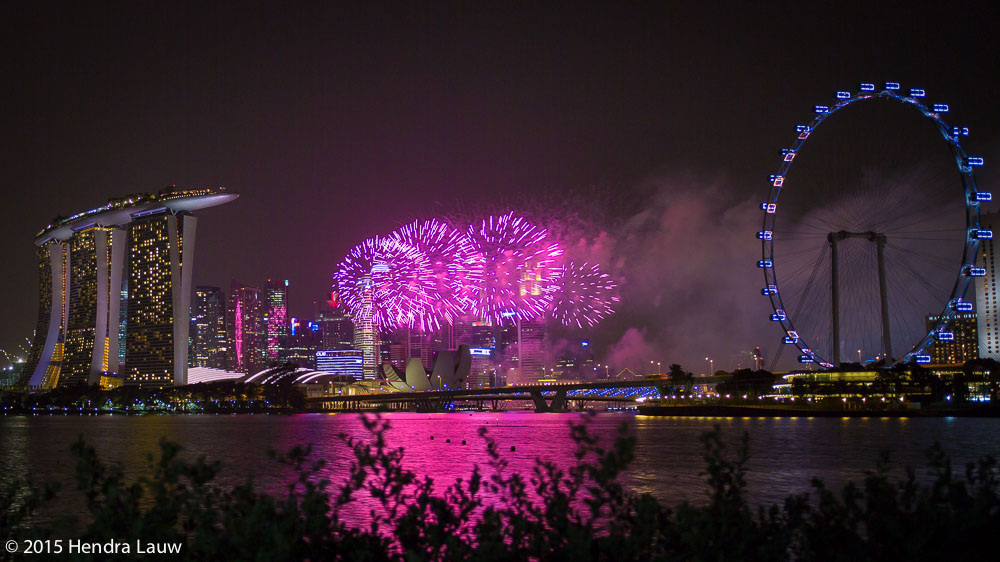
545 397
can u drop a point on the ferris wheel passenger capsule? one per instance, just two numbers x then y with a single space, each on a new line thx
793 334
962 306
959 131
975 160
765 235
765 263
789 155
769 290
975 271
806 359
917 92
940 108
821 109
843 95
946 336
867 87
789 339
778 316
981 234
777 180
892 86
923 358
983 196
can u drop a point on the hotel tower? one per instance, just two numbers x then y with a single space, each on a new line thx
115 287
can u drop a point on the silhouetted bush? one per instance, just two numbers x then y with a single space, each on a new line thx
578 513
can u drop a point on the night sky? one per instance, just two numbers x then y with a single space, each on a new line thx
339 122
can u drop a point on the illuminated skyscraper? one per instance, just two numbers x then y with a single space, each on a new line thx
365 336
208 328
987 308
335 324
247 332
159 278
276 320
114 286
532 344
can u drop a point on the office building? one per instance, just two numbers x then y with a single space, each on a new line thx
275 320
987 308
348 362
208 328
246 330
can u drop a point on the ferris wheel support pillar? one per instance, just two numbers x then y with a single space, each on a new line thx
834 276
880 240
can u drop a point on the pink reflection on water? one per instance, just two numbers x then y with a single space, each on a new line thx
433 448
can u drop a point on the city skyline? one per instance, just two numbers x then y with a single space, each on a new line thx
680 138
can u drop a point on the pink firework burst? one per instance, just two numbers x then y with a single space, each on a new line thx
584 295
518 260
454 271
385 280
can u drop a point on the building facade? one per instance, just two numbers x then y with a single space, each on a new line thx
246 329
208 328
987 308
965 345
275 320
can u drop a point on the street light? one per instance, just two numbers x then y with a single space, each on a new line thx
859 356
711 366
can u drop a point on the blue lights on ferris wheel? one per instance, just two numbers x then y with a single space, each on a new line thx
923 358
821 109
765 263
843 95
975 271
779 316
867 87
917 92
940 108
975 160
959 131
893 86
765 235
769 290
962 306
946 336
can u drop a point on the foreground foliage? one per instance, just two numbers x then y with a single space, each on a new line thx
578 513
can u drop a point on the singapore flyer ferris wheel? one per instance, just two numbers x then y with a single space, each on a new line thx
881 270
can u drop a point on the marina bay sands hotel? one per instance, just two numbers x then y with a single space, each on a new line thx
115 290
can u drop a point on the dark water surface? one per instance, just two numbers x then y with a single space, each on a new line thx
785 452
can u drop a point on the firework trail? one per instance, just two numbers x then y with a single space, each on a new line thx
386 280
518 257
454 272
584 295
